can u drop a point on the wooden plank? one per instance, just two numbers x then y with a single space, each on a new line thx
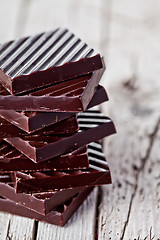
144 223
129 208
12 227
82 18
133 42
121 202
4 223
44 17
8 17
22 17
80 226
21 228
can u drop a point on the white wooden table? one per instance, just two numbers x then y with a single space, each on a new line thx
127 33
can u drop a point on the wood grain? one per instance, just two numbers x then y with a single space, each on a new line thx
8 19
20 228
129 208
128 34
4 224
81 226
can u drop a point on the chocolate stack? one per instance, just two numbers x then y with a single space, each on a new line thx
50 157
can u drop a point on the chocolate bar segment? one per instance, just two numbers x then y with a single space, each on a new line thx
59 216
97 174
93 126
68 125
70 96
32 121
44 59
13 160
42 203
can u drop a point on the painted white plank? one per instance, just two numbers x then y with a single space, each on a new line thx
20 228
44 16
4 222
124 208
81 226
134 42
127 211
145 216
11 226
81 17
8 19
84 17
126 152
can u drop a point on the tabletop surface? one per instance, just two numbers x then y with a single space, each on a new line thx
127 33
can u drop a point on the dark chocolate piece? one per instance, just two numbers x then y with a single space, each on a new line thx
44 59
13 160
59 216
42 203
93 126
98 173
32 121
70 96
68 125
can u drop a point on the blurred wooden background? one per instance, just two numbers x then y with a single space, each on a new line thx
127 33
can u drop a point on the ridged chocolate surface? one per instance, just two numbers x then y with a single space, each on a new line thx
42 51
57 49
97 173
93 126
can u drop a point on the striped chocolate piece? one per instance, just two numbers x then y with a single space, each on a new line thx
97 173
73 95
32 121
44 59
13 160
93 126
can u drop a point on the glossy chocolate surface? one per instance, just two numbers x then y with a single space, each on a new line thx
42 203
59 216
93 126
68 125
13 160
98 173
32 121
70 96
44 59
